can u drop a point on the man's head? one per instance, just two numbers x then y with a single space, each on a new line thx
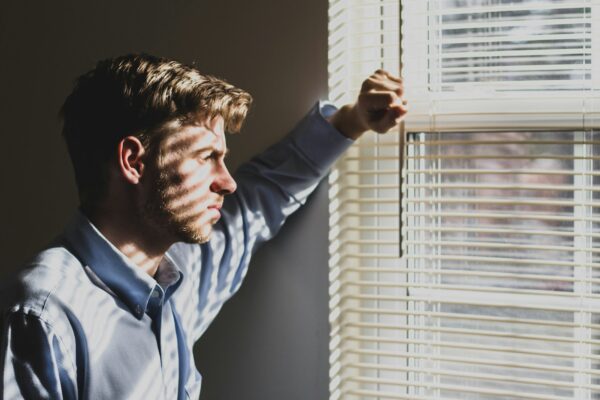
147 122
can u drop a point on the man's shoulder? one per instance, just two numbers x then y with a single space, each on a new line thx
43 280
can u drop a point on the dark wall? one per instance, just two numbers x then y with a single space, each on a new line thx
270 342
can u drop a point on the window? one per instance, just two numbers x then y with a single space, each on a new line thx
464 258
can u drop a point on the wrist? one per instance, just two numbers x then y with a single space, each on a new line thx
348 122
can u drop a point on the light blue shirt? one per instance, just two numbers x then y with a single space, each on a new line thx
81 321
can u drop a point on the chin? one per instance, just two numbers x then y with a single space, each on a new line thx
195 235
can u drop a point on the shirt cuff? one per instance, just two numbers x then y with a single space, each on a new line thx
317 139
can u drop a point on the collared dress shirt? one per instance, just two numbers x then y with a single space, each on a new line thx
82 321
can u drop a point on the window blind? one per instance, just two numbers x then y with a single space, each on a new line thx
482 282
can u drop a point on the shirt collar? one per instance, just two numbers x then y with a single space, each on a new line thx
115 270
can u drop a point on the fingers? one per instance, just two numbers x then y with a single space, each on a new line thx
384 110
381 100
380 83
389 118
386 75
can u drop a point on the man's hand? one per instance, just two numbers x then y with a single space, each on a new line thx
379 107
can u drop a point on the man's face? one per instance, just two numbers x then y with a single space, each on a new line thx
185 191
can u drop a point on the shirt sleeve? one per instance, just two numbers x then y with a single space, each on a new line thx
277 182
33 365
270 188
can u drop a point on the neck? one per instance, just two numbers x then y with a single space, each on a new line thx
127 232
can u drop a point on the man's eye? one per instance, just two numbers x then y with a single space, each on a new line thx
212 156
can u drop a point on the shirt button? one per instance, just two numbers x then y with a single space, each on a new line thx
138 309
155 293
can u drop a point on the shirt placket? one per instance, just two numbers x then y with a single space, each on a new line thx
163 326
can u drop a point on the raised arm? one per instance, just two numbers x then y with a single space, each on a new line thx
275 184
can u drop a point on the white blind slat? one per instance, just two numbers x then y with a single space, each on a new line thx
485 377
465 259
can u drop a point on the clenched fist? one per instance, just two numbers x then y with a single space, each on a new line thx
379 107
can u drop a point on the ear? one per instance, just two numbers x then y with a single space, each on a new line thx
131 159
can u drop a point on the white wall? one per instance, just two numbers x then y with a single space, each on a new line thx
270 342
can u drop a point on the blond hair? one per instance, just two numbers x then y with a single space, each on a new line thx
138 94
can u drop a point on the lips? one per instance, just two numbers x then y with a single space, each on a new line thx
216 209
215 206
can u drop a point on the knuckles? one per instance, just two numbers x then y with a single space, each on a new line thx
380 101
381 80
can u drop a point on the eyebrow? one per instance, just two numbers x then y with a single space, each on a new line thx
212 149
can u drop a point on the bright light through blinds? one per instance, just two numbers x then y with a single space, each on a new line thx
497 295
502 64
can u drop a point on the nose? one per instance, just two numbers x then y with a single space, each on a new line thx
223 183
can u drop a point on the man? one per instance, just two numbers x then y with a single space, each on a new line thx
162 238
